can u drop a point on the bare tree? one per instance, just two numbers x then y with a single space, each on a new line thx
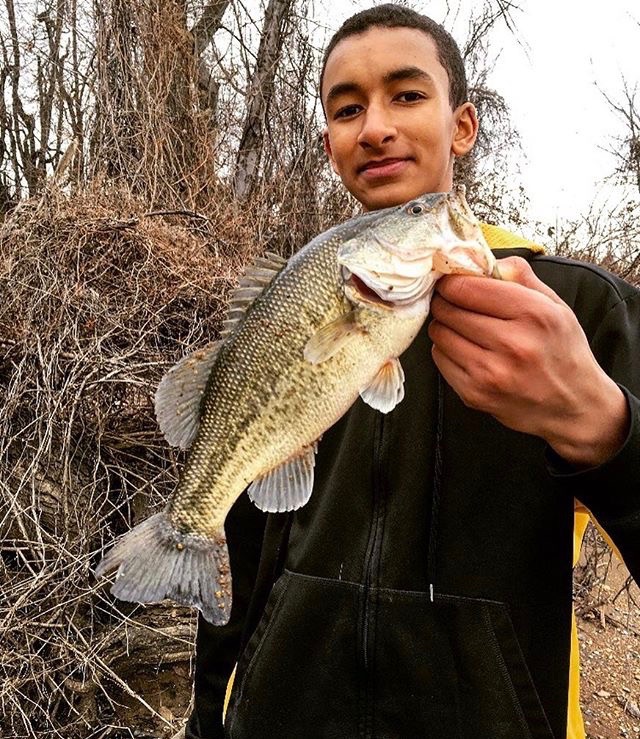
149 129
609 232
203 32
259 96
626 148
128 88
44 78
494 197
20 125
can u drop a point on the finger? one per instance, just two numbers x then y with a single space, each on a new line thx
459 349
498 298
467 368
478 328
517 269
449 368
453 373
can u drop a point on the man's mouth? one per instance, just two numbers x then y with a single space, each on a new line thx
383 167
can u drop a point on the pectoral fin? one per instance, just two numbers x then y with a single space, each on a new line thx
328 340
387 388
287 487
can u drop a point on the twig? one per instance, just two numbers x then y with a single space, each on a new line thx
187 213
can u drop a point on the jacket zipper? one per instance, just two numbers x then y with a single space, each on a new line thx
435 491
372 567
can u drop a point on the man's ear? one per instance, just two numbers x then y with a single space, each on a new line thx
326 142
466 130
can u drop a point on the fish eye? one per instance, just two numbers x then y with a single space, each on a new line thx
415 209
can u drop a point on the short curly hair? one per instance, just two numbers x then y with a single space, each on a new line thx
391 15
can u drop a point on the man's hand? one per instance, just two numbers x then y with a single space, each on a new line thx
514 349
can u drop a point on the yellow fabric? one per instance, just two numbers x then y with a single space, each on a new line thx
227 694
575 725
498 238
580 509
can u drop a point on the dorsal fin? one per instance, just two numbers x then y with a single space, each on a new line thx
256 278
179 394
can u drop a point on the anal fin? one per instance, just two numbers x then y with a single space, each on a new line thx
387 388
287 487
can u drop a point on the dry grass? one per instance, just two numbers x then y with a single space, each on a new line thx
98 298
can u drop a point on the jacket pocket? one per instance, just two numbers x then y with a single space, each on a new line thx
297 677
451 668
515 673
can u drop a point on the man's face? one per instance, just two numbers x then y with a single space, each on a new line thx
391 133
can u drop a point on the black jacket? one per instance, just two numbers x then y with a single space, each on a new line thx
425 589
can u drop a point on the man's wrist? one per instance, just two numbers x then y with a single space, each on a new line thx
598 433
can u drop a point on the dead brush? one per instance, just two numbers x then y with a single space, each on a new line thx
97 301
98 298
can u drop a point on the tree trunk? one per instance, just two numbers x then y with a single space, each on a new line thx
203 32
259 97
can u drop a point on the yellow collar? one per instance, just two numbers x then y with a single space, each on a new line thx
498 238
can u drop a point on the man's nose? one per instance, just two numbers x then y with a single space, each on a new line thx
377 127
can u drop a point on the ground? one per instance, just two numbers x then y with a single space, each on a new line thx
609 635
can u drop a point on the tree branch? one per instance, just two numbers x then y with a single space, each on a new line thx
205 28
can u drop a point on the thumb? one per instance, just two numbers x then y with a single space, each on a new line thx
517 269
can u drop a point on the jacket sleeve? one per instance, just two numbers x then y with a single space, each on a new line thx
611 491
217 646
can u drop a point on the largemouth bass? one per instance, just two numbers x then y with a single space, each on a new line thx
302 340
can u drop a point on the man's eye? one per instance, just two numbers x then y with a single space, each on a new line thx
347 111
410 97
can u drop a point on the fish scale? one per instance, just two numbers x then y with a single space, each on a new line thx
326 326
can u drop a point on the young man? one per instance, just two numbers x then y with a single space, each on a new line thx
425 589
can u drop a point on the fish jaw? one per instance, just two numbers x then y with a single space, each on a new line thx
467 251
398 260
388 292
465 259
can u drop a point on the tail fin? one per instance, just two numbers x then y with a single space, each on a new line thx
155 561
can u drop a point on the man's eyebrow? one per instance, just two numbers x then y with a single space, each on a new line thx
342 88
407 73
395 75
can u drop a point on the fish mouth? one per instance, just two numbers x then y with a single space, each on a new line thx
387 291
365 293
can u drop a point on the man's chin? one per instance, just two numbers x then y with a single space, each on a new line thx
389 195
